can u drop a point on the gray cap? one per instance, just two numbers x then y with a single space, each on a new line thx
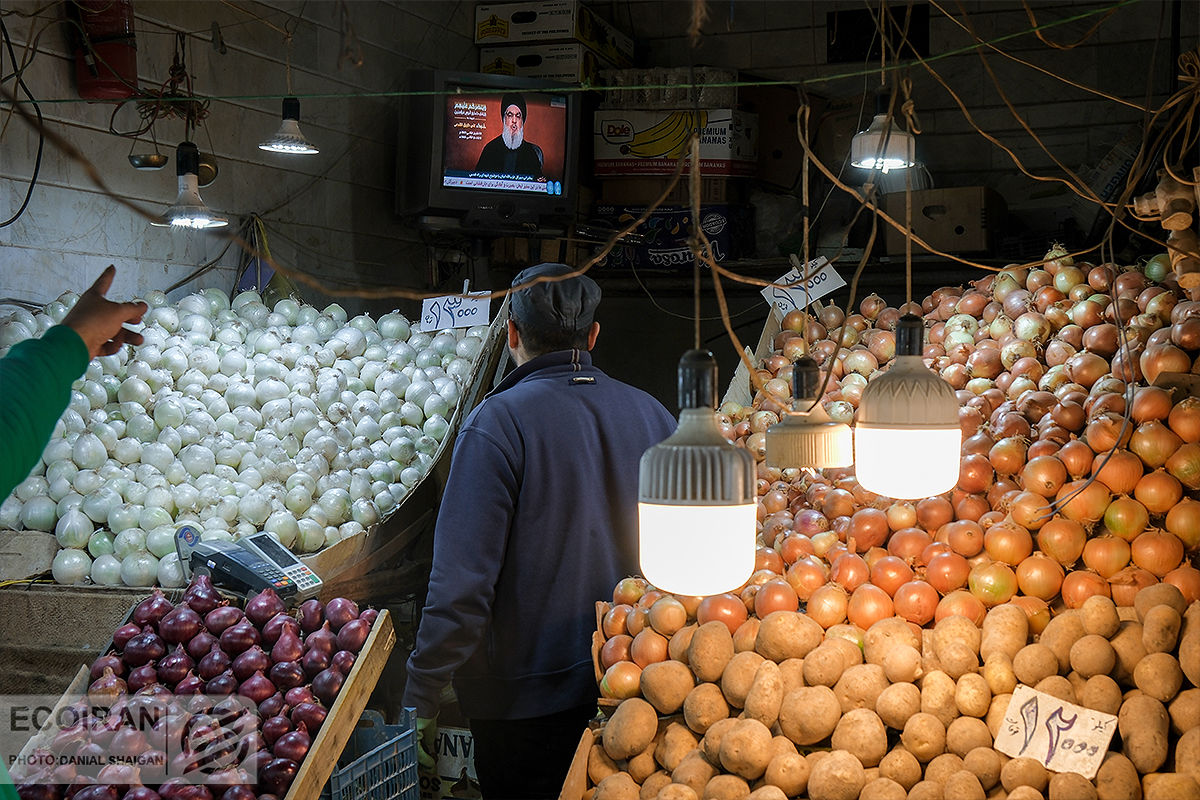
567 304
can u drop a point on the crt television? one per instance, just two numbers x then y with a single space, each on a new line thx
461 164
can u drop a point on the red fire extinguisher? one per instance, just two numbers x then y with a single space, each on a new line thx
105 48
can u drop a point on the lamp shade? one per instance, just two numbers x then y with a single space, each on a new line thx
289 139
907 438
696 496
882 146
189 210
808 438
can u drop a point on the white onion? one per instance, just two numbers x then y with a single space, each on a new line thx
73 529
88 452
10 513
310 536
170 572
100 543
160 541
71 566
129 541
39 514
139 569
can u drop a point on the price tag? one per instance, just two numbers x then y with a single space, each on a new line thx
455 311
799 287
1063 736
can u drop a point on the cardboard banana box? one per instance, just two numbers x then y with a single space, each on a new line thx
632 142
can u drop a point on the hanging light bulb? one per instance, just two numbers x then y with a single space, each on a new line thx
696 496
883 145
808 438
289 139
188 210
907 439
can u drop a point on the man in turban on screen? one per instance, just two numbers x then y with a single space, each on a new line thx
509 153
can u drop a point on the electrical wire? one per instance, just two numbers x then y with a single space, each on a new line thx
41 128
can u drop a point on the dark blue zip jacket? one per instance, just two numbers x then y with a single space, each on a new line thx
537 523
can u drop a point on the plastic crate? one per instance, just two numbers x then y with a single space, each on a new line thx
379 762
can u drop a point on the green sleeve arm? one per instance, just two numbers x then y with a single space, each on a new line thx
35 388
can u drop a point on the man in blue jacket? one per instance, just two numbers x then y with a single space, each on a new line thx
538 522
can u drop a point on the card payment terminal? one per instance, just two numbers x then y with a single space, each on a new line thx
248 565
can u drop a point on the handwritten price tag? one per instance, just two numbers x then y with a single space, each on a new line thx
798 288
1063 736
455 311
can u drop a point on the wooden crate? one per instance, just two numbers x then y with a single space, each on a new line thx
741 390
576 782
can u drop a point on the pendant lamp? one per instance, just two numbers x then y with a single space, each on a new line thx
808 438
289 139
883 145
696 496
189 210
907 439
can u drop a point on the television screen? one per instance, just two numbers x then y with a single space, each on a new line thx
514 142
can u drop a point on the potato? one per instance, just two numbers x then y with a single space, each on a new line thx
1127 644
767 792
711 743
787 634
1057 686
1160 629
677 791
738 677
902 767
703 706
861 733
957 660
1005 630
1070 786
963 785
824 665
985 764
956 630
1184 711
1158 594
902 664
852 654
1101 693
942 767
693 771
860 686
788 771
766 694
1077 682
1025 793
677 741
883 789
1099 616
1189 645
972 695
666 684
726 787
926 790
792 672
995 717
937 696
897 703
810 714
642 766
967 733
1060 633
1171 786
781 744
929 659
1159 676
710 650
600 764
1187 752
924 736
1117 778
677 645
1092 655
746 634
1024 772
998 672
1143 725
745 748
653 785
618 786
630 729
840 776
886 634
1034 662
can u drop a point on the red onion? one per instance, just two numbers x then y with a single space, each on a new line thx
321 639
200 644
184 789
293 744
312 614
221 618
128 742
152 609
142 793
326 685
314 661
339 611
174 666
67 739
98 791
278 775
343 661
263 606
213 664
239 638
249 662
275 704
276 625
222 685
298 695
144 647
288 648
110 662
124 633
274 727
354 633
311 714
369 616
201 595
142 676
287 675
236 792
257 687
107 686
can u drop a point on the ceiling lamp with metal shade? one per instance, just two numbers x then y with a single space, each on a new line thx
883 145
696 496
907 438
289 139
808 438
189 210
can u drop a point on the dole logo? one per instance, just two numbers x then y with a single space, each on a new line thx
617 131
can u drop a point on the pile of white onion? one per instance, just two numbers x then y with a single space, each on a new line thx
236 418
